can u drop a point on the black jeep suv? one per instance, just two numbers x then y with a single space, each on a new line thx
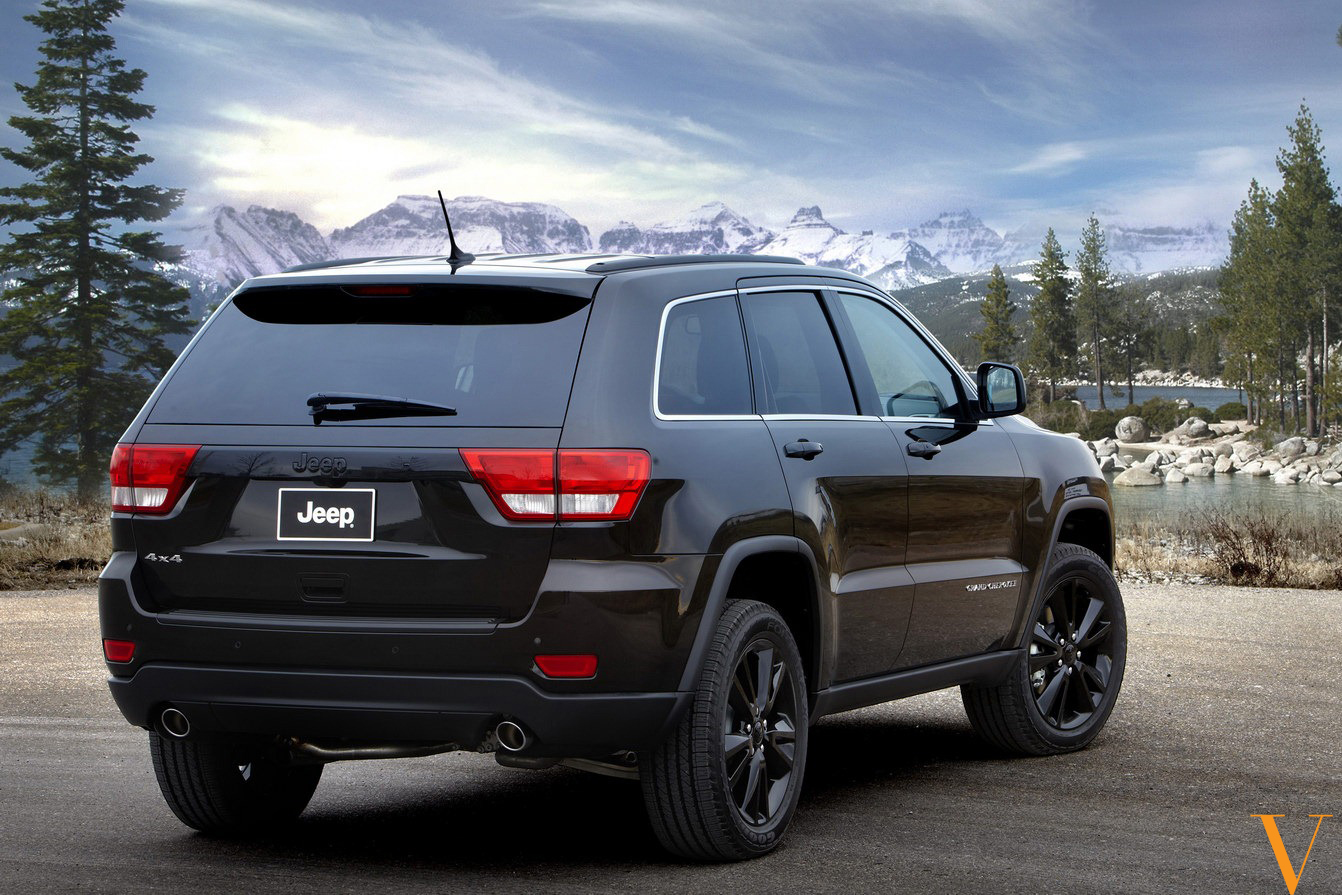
649 516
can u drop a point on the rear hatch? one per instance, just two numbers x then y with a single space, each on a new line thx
330 478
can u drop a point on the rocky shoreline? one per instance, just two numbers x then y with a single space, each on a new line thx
1198 449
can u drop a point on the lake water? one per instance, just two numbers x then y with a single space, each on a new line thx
1210 398
1176 505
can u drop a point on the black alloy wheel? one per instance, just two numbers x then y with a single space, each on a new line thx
1064 686
1071 653
724 785
760 736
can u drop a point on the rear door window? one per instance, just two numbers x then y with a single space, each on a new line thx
500 355
802 370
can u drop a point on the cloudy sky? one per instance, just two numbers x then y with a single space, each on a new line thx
883 112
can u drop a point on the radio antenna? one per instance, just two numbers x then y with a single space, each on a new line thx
458 257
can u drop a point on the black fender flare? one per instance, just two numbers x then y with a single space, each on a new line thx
1064 509
732 558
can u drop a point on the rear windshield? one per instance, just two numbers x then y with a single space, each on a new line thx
500 355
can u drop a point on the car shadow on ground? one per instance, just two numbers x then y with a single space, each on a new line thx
517 819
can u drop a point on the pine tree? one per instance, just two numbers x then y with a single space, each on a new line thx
88 313
1132 330
997 341
1053 341
1094 299
1258 330
1309 233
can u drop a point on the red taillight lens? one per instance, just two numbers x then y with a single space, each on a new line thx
602 485
520 482
592 485
148 478
118 650
567 666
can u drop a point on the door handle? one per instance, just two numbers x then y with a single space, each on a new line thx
804 449
925 449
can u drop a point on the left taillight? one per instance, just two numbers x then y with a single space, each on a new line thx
148 478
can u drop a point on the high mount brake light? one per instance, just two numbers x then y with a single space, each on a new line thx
391 289
591 485
148 478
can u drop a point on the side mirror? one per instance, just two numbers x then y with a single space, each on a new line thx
1001 390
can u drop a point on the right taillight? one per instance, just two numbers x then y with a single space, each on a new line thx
148 478
578 485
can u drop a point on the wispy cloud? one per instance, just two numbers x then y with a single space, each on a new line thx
1055 158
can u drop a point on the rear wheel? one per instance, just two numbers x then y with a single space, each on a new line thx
228 788
1062 691
724 786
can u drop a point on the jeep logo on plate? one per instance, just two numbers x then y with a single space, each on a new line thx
325 514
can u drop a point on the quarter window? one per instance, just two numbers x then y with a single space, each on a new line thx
703 369
803 371
910 378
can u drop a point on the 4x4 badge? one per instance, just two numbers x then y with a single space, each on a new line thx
159 557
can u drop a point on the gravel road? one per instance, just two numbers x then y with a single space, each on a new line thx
1230 709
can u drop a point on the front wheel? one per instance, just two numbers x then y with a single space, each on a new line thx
1060 694
227 788
724 785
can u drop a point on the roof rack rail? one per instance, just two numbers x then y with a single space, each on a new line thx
665 260
342 262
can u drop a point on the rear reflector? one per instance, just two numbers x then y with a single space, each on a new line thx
591 485
118 650
148 478
567 666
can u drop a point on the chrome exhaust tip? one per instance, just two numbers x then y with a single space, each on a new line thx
174 724
511 736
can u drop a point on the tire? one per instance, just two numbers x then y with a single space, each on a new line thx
223 788
1062 691
697 784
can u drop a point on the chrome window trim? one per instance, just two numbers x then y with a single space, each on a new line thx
657 364
827 417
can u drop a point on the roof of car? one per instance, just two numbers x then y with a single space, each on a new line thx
590 263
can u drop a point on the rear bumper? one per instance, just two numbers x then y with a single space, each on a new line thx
385 707
427 680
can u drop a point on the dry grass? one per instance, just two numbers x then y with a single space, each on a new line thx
1258 548
54 540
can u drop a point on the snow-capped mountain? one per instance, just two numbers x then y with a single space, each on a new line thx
895 262
413 225
961 242
230 246
711 228
1148 249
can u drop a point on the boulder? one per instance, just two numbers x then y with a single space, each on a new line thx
1223 449
1272 466
1331 476
1195 427
1105 447
1198 470
1246 450
1175 477
1287 476
1289 449
1223 465
1107 463
1254 468
1137 477
1131 429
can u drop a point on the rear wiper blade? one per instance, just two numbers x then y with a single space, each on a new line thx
321 407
